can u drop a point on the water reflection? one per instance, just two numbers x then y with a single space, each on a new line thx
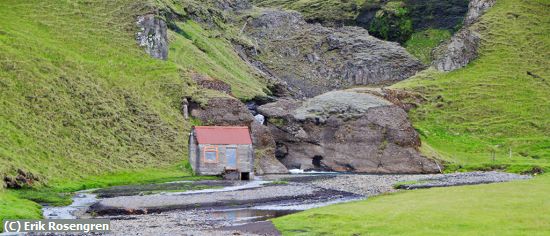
244 215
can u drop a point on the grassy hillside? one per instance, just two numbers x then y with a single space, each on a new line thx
79 98
498 103
514 208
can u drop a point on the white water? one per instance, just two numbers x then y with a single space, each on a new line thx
257 182
81 201
303 207
300 171
84 199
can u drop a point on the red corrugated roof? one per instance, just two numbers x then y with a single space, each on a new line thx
222 135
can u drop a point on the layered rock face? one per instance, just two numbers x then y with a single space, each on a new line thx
462 48
313 59
230 111
153 36
345 131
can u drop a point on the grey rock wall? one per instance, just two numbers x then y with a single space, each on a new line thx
345 131
313 59
152 36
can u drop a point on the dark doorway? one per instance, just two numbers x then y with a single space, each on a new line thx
245 176
316 162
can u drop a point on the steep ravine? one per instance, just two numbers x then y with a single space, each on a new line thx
311 60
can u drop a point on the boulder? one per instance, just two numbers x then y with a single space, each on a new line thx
208 82
222 111
153 36
345 131
230 111
264 146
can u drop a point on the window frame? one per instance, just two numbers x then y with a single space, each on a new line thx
210 149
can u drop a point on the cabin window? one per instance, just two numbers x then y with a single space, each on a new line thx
211 154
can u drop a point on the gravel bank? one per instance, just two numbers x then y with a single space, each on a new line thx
234 210
470 178
371 185
295 192
366 185
191 222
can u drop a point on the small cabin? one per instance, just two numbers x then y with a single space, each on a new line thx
222 150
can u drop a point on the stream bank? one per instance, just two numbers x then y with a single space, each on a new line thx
244 208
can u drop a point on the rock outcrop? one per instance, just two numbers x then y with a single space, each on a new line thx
345 131
230 111
476 8
24 179
462 48
153 36
313 59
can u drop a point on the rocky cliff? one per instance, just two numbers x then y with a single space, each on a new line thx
388 20
462 47
313 59
345 131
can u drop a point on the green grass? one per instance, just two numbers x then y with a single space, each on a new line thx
79 98
422 43
514 208
493 104
22 203
278 182
410 182
207 53
12 207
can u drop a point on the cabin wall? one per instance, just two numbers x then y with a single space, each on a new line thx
193 151
245 159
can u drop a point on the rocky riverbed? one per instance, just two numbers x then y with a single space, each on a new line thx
242 208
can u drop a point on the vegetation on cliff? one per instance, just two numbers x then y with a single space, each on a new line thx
497 104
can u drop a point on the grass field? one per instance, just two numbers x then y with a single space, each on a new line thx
13 207
500 102
514 208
